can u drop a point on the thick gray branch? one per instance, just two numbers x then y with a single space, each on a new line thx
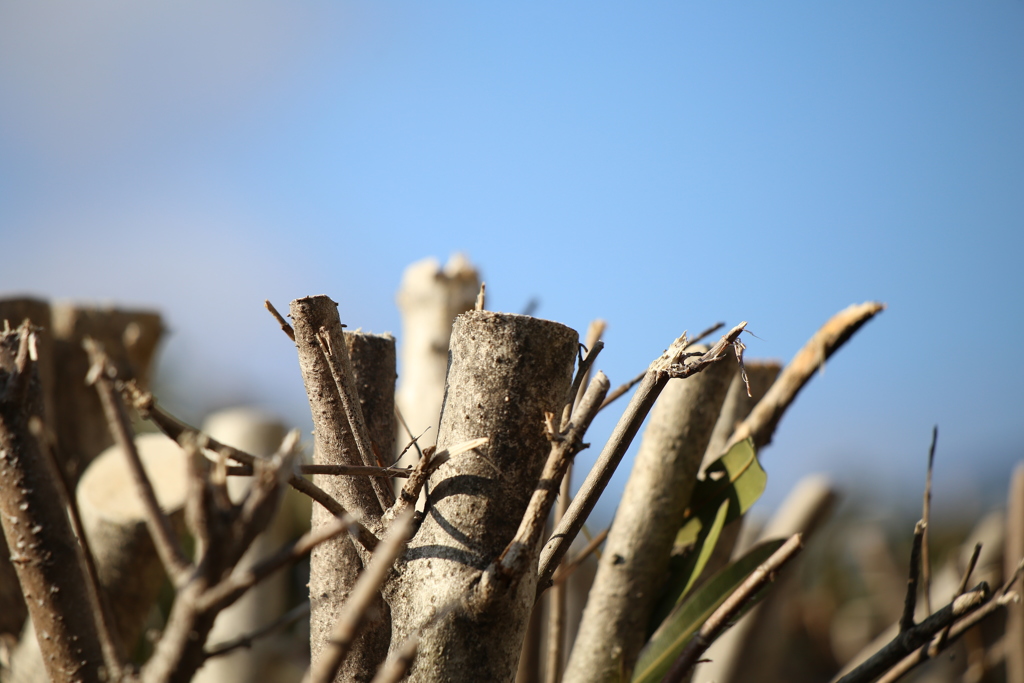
635 560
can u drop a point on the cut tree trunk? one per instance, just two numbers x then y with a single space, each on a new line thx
335 565
506 372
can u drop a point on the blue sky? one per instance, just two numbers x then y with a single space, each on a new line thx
662 166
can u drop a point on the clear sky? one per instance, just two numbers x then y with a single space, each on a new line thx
662 165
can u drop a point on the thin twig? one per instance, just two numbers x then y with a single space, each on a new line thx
232 587
146 405
415 439
728 610
564 447
366 589
333 470
480 297
764 418
566 569
671 364
171 554
292 616
285 327
582 374
340 365
926 569
906 642
940 642
622 388
910 600
923 654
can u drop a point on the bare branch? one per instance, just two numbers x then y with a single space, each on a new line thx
43 549
940 642
231 588
728 610
906 642
336 354
292 616
953 633
671 364
146 405
910 601
762 421
171 553
582 375
285 327
366 590
926 568
651 511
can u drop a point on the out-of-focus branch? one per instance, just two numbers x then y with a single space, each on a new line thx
762 421
733 605
176 564
146 405
908 641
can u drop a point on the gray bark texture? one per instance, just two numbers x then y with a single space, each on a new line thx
42 546
334 565
505 372
634 563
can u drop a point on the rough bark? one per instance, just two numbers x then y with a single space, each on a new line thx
43 548
635 561
334 565
429 299
12 313
506 371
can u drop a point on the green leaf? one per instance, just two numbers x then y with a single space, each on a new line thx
686 619
735 480
737 475
695 561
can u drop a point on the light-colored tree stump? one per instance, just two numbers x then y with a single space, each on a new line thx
506 372
429 299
